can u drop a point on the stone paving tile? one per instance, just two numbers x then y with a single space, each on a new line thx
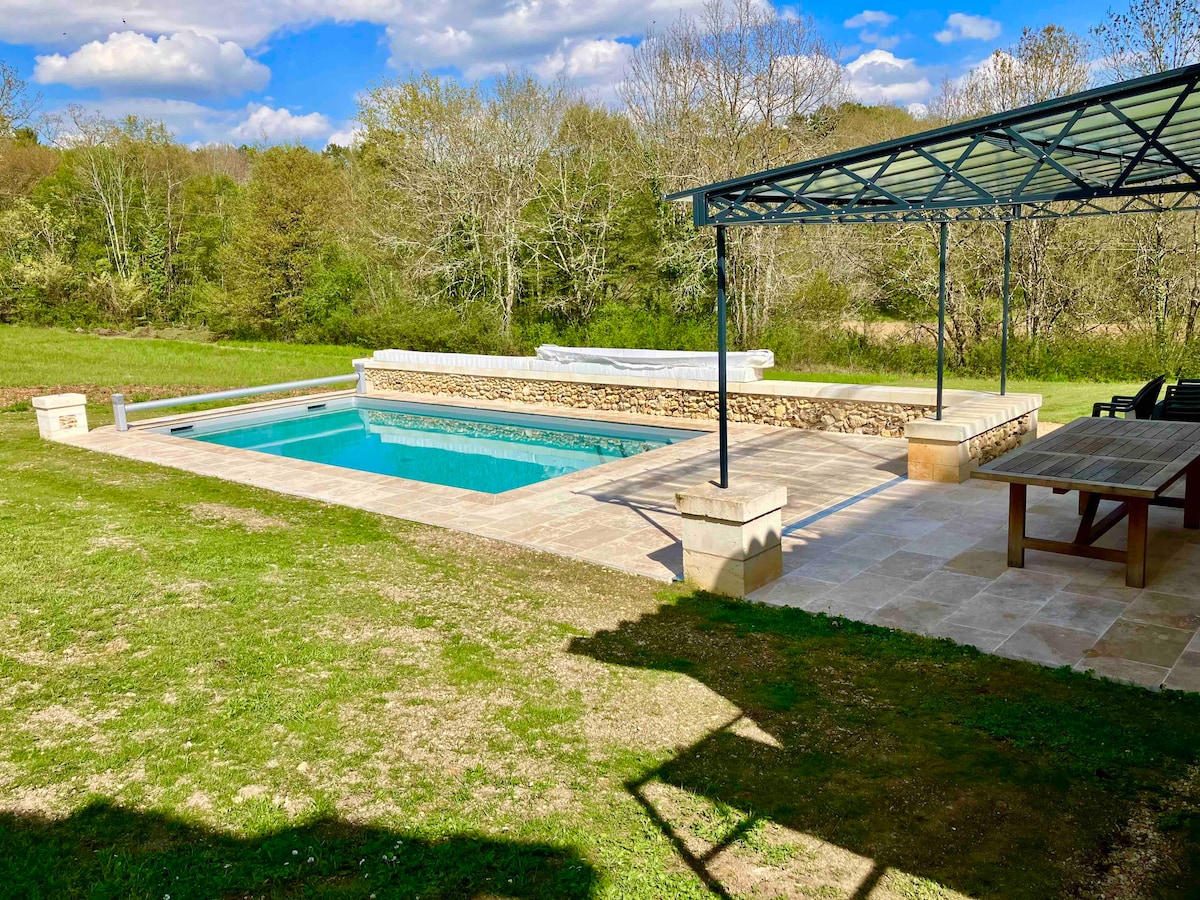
989 612
949 588
835 567
1050 645
875 546
1185 676
946 542
908 528
909 613
987 641
1154 645
1030 586
834 606
872 591
795 591
1080 612
907 566
1182 579
1119 669
990 564
1164 609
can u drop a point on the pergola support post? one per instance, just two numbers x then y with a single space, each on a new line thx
943 234
722 361
1004 322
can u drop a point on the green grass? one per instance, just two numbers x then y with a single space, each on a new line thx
208 690
1062 401
33 357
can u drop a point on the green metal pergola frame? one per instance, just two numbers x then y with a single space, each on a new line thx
1123 148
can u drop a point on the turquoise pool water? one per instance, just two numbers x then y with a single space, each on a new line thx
465 448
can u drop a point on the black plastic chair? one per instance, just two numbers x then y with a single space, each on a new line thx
1182 402
1140 406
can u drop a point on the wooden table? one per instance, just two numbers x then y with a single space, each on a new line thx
1132 461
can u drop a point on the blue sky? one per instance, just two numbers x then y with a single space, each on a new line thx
289 70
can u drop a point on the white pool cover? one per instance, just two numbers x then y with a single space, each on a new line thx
672 364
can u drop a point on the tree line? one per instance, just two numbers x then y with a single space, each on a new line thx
493 218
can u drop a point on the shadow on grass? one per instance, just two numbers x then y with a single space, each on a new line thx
108 851
987 776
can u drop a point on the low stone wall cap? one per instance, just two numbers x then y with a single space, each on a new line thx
743 501
57 401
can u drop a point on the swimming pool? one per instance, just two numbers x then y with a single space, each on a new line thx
479 450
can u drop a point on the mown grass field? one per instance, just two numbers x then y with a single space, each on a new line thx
208 690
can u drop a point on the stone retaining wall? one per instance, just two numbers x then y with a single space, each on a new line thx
816 413
993 444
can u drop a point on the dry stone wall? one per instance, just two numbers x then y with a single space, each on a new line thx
820 414
993 444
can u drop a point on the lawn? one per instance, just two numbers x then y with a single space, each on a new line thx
208 690
143 367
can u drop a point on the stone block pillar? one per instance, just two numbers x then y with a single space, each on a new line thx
969 435
731 536
61 416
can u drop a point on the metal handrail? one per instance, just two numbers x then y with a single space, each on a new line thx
121 409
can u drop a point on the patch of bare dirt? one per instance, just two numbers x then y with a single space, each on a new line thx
11 396
250 519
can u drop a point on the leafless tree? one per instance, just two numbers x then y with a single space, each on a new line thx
1150 36
18 108
730 91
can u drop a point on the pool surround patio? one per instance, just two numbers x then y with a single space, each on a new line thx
859 539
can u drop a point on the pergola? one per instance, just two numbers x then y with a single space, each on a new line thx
1124 148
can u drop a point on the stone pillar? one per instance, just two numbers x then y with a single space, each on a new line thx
61 416
731 536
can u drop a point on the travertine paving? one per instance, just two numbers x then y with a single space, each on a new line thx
931 559
860 540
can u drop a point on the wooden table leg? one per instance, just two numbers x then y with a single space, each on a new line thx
1191 496
1016 525
1084 498
1135 561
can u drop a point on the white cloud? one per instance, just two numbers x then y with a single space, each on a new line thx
200 124
961 26
883 41
870 17
878 76
872 24
478 35
279 126
350 136
129 62
596 66
917 110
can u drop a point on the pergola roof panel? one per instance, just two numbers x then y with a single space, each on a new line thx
1140 138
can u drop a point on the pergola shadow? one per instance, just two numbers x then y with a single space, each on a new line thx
840 737
112 851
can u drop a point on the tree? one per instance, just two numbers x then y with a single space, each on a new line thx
1153 36
17 106
730 91
1150 36
1044 64
287 215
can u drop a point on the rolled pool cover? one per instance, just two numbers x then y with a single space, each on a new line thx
683 365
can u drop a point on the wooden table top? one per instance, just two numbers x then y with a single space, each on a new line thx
1125 457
